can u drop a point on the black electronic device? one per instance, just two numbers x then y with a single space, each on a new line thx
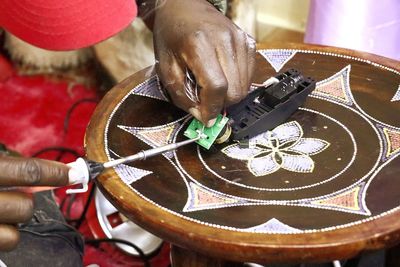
268 106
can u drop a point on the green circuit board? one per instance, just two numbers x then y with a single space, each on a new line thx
196 127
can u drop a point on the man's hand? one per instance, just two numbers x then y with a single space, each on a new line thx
17 207
194 37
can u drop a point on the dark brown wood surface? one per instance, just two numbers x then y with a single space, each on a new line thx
322 218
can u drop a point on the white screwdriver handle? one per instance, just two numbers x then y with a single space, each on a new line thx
78 174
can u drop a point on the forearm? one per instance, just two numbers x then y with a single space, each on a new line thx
147 9
193 36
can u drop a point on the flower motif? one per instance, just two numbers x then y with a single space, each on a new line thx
282 147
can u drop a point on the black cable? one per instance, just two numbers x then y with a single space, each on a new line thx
56 148
142 256
62 203
68 209
72 108
78 222
62 151
81 218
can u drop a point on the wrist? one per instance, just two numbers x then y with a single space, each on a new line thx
148 7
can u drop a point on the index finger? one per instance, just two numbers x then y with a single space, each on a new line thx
202 60
16 171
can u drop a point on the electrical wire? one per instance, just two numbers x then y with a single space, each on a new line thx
69 207
73 107
81 218
60 149
140 252
77 223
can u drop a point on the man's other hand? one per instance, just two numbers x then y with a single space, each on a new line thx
16 206
194 37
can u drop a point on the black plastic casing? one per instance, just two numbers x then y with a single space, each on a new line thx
94 168
267 107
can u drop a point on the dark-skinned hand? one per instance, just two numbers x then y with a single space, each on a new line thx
16 206
194 36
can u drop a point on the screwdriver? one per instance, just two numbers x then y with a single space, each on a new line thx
83 170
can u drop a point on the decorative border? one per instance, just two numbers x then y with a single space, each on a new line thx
396 96
276 203
338 55
279 58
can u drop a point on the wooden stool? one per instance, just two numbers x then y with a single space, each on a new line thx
320 187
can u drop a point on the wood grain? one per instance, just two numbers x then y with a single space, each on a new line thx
323 246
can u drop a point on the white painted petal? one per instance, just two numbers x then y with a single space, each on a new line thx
288 132
297 163
308 146
236 152
263 165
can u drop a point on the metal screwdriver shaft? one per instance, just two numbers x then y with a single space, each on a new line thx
144 154
86 170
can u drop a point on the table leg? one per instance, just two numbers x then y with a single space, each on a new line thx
185 258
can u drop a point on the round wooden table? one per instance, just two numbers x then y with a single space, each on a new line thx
327 188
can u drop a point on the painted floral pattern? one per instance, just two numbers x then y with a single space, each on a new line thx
284 147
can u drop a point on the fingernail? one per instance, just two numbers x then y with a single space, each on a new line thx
211 123
195 112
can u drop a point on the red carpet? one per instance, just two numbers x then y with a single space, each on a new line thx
33 111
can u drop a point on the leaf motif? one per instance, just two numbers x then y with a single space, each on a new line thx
308 146
236 152
260 166
288 132
297 163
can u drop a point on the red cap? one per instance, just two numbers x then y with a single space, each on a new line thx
65 24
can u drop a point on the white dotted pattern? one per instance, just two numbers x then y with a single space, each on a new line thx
277 203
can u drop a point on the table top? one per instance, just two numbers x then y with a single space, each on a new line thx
327 186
